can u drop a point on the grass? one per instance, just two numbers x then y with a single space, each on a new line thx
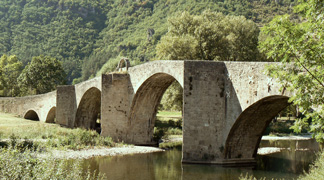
168 126
15 164
45 136
22 138
169 114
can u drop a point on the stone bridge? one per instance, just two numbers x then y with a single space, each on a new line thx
226 106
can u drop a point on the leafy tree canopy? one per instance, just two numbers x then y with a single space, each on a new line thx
299 46
41 75
10 69
210 36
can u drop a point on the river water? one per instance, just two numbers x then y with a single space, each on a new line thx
293 158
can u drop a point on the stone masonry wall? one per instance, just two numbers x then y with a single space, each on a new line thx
115 105
66 106
203 111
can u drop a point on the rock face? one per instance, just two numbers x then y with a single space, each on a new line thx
227 106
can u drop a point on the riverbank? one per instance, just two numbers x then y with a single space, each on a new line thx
99 151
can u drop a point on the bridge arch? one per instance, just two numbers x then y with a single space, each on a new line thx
31 115
246 133
144 107
89 109
50 118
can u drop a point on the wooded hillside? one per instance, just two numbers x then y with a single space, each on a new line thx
84 34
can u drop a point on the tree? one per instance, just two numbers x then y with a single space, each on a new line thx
41 75
172 98
209 36
10 69
299 46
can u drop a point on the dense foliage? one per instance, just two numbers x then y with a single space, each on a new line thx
210 36
10 69
84 35
41 75
299 46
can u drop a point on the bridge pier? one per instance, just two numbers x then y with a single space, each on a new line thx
66 106
204 111
116 98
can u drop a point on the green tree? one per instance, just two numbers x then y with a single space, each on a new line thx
172 98
210 36
10 69
41 75
299 46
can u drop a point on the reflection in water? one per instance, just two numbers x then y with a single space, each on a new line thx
167 165
294 158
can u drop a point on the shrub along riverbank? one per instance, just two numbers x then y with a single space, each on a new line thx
17 163
21 140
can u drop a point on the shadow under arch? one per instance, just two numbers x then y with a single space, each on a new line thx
89 109
50 118
31 115
144 108
245 135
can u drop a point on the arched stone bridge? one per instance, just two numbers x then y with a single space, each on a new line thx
226 106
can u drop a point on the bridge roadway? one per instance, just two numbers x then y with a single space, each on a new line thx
226 106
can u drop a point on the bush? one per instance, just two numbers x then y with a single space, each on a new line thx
15 164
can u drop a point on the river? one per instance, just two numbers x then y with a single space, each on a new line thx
294 157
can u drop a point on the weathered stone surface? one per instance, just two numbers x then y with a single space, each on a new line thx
66 106
227 106
203 111
117 92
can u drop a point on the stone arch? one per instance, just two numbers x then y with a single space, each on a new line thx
50 118
88 109
144 107
123 63
31 115
245 135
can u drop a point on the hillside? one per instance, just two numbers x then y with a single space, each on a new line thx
86 34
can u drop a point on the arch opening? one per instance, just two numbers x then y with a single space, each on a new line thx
145 106
245 135
88 112
51 115
31 115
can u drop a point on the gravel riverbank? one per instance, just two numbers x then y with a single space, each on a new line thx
88 153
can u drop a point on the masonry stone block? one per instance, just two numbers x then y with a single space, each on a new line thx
116 98
66 106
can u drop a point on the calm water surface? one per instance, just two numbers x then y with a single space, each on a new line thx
288 164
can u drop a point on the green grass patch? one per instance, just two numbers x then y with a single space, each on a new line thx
44 135
168 123
169 114
171 145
